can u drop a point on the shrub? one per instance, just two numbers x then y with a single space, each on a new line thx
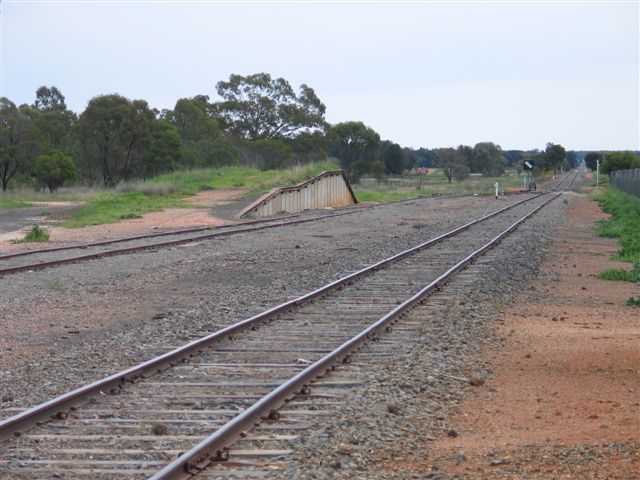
54 169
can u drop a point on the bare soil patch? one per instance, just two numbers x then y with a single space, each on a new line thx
564 397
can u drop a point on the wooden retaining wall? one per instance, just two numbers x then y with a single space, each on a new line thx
329 189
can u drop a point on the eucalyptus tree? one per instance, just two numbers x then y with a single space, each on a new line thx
356 146
204 143
115 133
453 163
257 107
14 131
554 156
487 159
392 156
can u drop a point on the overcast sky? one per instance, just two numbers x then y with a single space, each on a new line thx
429 74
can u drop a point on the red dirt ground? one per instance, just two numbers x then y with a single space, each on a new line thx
564 397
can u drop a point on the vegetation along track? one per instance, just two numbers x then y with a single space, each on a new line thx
136 423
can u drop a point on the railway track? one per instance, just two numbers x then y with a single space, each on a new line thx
50 257
136 423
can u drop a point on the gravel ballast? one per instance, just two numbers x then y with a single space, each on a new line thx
68 325
382 428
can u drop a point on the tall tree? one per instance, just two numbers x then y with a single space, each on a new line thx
392 157
14 126
592 158
164 152
310 147
554 156
53 123
258 107
487 159
115 133
204 143
620 161
514 157
356 146
411 158
271 153
428 158
453 163
49 99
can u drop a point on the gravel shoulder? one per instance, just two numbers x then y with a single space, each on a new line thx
564 396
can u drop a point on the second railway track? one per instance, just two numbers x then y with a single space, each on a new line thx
50 257
137 421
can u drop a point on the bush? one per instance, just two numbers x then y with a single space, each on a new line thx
54 169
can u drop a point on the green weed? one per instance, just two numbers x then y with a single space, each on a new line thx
633 302
619 274
36 234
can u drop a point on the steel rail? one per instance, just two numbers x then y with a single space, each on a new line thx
151 246
145 236
123 251
341 211
352 209
215 446
238 229
47 410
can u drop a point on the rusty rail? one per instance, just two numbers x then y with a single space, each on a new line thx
57 406
238 228
49 409
215 446
151 246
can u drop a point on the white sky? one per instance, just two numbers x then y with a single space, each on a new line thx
426 74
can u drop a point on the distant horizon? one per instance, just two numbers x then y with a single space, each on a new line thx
430 74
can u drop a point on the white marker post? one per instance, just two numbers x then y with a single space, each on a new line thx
598 174
497 186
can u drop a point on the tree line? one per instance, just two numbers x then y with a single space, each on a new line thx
611 161
257 121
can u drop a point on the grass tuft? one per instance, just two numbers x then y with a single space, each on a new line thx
619 274
36 234
633 302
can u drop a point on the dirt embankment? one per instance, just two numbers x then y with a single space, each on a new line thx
564 397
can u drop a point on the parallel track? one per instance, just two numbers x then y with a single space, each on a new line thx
131 431
50 257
